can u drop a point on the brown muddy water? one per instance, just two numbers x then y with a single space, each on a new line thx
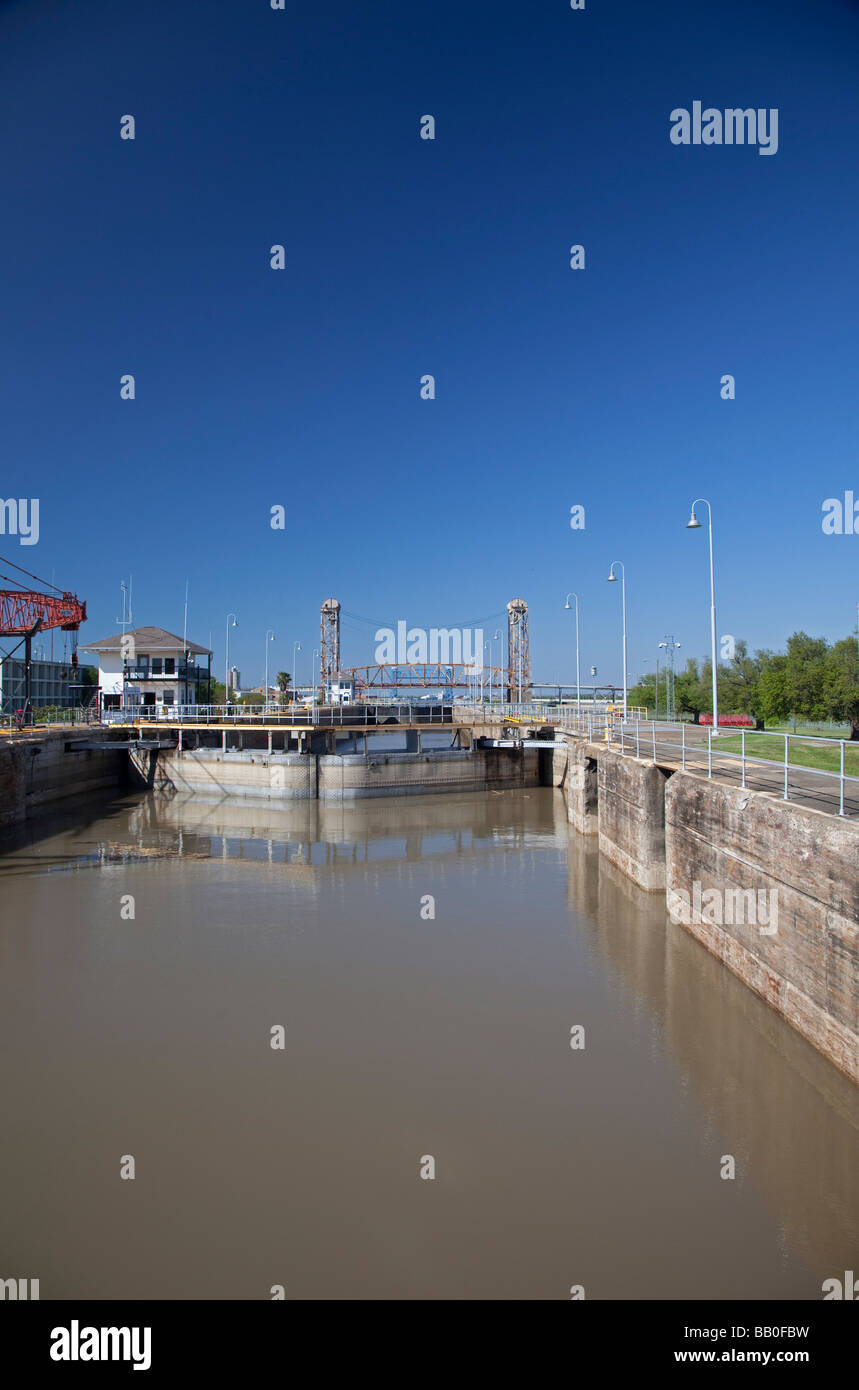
406 1038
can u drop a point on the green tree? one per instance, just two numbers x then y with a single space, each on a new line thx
212 692
805 675
773 695
644 693
283 681
739 683
692 690
841 683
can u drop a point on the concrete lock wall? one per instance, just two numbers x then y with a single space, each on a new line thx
807 968
631 817
36 773
404 774
15 765
330 777
680 830
279 776
581 786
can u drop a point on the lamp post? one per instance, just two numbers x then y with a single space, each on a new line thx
578 672
313 674
612 578
126 594
296 647
269 637
693 524
227 656
493 639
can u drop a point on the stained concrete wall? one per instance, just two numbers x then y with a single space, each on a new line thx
15 764
39 772
581 786
280 776
289 776
725 838
631 817
669 832
418 773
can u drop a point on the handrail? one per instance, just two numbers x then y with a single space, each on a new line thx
692 740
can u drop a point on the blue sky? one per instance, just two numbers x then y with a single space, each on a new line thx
404 257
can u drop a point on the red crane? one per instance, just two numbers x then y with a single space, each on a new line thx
24 612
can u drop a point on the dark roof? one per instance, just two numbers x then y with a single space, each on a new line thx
146 639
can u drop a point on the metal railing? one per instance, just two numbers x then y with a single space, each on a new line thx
695 746
287 716
41 721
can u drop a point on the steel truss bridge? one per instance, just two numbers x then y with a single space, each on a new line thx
420 675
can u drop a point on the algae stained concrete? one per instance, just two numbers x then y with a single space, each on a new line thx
729 839
631 815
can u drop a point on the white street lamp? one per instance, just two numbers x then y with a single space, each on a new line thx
493 639
269 637
578 672
693 524
235 623
613 580
296 647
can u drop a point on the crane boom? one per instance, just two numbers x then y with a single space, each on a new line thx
21 611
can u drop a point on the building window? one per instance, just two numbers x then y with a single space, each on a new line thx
169 665
156 665
169 696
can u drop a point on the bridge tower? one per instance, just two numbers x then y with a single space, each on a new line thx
329 645
518 651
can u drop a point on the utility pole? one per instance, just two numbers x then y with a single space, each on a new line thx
671 645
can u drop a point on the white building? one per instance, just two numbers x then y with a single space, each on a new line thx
149 666
341 692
